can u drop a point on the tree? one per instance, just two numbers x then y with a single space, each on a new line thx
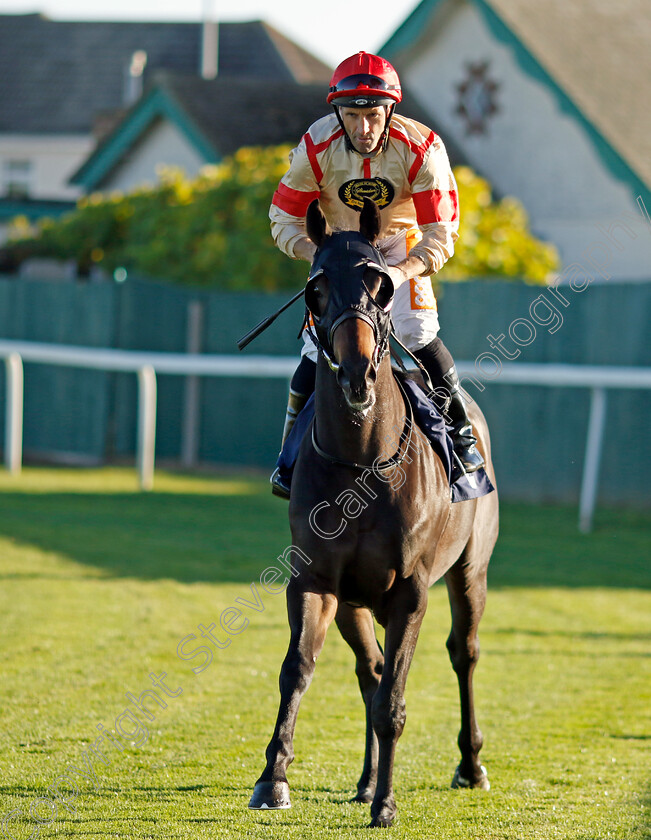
213 230
494 237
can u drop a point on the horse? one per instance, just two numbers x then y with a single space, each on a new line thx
367 543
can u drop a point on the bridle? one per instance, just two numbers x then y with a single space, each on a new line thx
343 259
395 460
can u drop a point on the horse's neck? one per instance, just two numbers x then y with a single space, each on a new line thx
353 437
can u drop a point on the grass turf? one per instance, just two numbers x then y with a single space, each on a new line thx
100 584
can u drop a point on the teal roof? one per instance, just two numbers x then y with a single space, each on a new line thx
216 118
158 103
33 208
409 32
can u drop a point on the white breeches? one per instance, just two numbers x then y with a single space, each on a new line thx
414 314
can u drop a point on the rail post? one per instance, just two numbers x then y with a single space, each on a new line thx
191 398
593 447
14 414
146 426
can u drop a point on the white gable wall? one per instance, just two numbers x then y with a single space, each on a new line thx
163 144
532 149
52 160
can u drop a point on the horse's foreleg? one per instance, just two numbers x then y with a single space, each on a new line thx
309 617
356 626
408 601
467 593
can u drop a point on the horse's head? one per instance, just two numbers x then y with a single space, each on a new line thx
349 295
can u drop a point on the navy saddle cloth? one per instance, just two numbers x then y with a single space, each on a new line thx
428 419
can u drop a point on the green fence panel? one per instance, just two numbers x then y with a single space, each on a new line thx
65 408
149 316
538 433
242 420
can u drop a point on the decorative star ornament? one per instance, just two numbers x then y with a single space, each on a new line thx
476 98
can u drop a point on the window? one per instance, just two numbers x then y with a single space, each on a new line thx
17 178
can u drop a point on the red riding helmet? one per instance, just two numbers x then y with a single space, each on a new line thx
364 81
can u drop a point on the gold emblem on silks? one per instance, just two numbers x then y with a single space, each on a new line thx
353 193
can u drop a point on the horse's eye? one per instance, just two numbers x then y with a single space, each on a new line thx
385 292
316 296
380 287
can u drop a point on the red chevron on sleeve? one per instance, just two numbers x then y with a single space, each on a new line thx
420 152
313 149
436 206
294 202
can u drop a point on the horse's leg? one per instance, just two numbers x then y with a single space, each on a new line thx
309 617
466 582
406 608
357 628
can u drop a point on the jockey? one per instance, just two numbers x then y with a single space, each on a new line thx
364 149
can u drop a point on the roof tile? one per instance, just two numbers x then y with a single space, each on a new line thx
55 76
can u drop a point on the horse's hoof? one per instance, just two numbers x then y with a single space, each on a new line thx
385 816
364 796
481 783
382 821
270 796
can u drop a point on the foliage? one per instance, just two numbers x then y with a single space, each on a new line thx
494 237
213 231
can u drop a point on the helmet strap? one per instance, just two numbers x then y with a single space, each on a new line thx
387 127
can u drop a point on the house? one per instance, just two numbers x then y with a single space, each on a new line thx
65 85
190 122
549 102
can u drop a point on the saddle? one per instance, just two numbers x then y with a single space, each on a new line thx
429 421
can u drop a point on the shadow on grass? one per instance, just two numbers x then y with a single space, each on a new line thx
189 538
233 538
571 634
540 545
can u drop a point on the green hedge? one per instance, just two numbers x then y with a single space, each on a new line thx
213 231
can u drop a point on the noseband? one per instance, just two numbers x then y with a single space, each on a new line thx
343 259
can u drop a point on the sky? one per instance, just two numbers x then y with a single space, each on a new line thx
332 30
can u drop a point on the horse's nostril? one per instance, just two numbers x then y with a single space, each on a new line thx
356 379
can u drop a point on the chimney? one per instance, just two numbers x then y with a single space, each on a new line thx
133 81
209 42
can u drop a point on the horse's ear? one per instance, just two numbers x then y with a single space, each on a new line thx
369 220
315 223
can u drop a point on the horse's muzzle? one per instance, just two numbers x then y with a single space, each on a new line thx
357 381
355 349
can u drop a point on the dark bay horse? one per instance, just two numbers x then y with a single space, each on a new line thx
371 516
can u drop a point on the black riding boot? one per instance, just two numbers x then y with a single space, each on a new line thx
301 388
462 437
440 365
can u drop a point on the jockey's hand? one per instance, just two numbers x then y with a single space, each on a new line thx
397 275
305 249
411 267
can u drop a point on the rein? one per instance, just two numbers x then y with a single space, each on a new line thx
380 351
396 357
394 461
